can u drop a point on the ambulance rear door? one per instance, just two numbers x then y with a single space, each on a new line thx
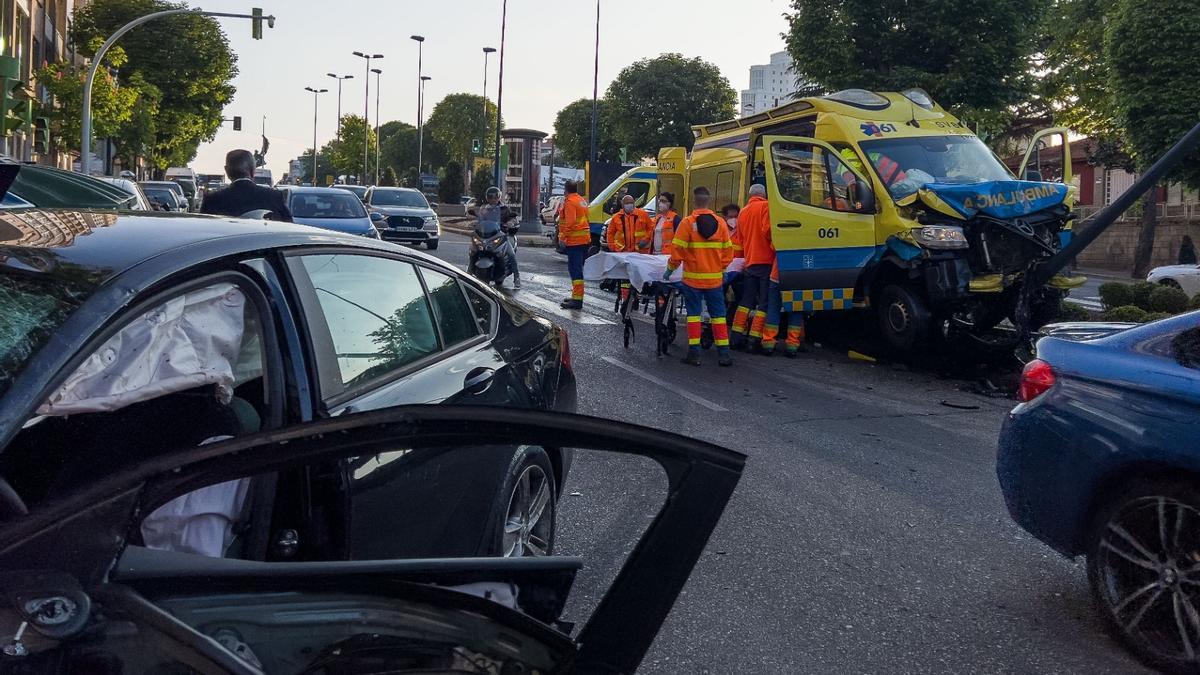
822 222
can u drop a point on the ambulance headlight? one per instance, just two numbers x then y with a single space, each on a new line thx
940 236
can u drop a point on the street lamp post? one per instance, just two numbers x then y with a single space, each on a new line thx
366 112
315 92
420 40
487 51
378 73
595 97
420 117
500 93
339 78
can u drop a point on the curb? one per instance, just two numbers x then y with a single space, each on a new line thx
530 240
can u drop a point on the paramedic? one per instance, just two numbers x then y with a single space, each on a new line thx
629 231
665 224
702 246
575 234
795 321
755 231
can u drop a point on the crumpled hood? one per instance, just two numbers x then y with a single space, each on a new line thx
999 198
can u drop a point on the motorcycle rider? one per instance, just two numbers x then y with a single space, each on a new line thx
498 216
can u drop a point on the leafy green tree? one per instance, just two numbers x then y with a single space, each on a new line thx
970 55
347 154
573 132
186 57
450 187
458 120
481 181
112 105
398 147
655 102
324 165
389 177
1153 61
137 135
409 177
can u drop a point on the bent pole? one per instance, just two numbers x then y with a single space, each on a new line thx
85 148
1096 226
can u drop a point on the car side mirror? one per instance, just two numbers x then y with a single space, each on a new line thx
1033 175
434 205
376 217
863 198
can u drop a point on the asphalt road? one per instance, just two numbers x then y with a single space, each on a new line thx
868 533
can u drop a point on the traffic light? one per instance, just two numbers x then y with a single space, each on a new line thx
476 147
256 22
10 94
237 122
41 138
26 115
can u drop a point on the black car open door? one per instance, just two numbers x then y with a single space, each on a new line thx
475 614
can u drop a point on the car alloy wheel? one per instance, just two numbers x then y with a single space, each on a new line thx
1144 565
529 522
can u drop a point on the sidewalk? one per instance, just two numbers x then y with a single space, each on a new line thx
465 226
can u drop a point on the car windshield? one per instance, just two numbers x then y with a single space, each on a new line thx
326 205
188 186
399 198
161 194
906 164
33 308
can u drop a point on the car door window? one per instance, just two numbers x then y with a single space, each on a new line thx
454 315
485 308
378 317
809 175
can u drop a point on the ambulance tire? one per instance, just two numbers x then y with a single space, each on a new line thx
904 318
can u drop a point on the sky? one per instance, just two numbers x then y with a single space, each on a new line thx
547 62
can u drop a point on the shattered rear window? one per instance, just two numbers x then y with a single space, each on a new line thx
33 308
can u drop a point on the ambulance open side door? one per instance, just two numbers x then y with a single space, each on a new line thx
822 222
672 176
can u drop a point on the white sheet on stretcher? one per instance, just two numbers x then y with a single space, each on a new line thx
638 268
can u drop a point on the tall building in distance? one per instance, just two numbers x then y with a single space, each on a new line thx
771 84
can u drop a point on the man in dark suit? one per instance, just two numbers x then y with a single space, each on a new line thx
243 195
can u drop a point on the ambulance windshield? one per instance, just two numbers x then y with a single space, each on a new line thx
906 164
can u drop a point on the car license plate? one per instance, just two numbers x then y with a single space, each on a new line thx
399 228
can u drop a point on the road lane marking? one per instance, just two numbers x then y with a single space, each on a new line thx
698 400
553 308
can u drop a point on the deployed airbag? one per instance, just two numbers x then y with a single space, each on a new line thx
189 341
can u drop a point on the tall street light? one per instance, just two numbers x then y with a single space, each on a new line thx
315 92
378 73
500 94
366 112
420 40
595 98
487 51
339 78
420 116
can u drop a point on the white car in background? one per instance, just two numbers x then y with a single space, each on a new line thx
1186 277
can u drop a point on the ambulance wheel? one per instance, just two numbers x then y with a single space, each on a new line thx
904 317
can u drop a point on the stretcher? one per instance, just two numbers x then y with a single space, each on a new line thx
648 289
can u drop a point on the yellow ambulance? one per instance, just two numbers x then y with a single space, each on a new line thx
885 200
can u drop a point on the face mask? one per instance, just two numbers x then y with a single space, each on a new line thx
663 207
628 208
732 222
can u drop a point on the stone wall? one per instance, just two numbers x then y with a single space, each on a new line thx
1114 249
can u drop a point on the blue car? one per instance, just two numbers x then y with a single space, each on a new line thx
331 209
1102 459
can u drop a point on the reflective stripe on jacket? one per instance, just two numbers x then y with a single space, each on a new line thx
627 231
754 225
573 228
669 220
704 260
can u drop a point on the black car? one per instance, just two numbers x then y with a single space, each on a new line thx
127 334
403 215
83 589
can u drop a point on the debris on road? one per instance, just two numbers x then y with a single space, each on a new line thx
960 406
859 356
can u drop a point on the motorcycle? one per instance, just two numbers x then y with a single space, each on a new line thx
490 258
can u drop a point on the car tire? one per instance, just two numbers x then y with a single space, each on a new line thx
431 245
904 318
517 531
1143 564
1170 283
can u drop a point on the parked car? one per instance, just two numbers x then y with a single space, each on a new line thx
180 195
192 193
1186 277
140 203
132 335
359 191
94 594
1100 459
164 198
48 187
331 209
404 216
